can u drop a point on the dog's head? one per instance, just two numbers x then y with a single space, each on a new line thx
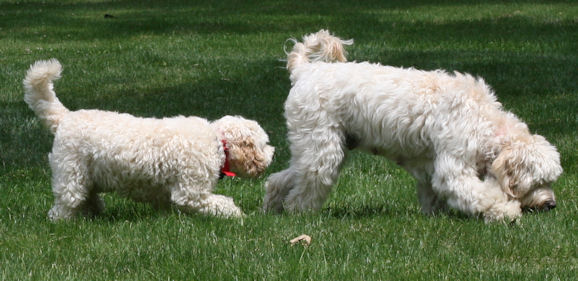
249 152
525 168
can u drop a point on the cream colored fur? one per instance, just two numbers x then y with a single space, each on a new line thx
447 130
171 160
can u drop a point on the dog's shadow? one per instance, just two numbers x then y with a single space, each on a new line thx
383 210
120 209
362 212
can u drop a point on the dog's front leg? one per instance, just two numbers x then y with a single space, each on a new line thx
467 193
218 205
205 203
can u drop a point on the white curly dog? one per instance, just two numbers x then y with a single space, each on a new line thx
171 160
447 130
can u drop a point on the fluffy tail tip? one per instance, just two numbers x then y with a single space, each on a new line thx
319 46
43 71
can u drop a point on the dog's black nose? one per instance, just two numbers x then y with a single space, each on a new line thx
549 205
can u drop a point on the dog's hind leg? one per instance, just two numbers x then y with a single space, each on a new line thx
429 200
94 205
70 184
316 162
431 203
277 187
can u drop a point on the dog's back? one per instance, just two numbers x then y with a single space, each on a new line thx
118 148
406 104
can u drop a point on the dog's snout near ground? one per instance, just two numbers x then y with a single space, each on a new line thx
547 206
550 205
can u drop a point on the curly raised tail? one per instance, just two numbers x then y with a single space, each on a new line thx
39 93
320 46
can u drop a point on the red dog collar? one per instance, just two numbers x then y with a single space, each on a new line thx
225 170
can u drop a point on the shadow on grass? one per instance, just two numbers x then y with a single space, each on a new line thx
390 211
119 209
365 211
55 21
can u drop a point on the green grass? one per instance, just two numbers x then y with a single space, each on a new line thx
164 58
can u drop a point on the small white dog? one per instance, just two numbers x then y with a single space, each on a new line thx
172 160
447 130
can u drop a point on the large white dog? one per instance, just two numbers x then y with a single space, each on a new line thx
172 160
447 130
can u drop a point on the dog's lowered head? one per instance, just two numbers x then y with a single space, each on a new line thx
525 168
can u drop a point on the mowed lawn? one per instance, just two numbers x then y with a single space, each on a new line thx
213 58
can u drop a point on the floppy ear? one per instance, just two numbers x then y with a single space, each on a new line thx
247 157
504 169
244 138
548 167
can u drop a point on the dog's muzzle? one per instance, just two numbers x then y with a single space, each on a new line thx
547 206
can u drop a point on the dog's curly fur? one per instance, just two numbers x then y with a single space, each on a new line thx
447 130
171 160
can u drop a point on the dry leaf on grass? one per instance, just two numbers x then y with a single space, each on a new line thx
303 238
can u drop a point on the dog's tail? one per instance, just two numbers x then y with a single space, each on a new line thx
320 46
39 93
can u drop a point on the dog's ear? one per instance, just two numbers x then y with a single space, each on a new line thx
547 160
525 164
504 169
247 158
249 153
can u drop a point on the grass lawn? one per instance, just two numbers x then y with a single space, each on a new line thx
212 58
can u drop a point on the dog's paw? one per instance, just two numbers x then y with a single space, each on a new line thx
225 207
233 213
273 206
508 212
60 213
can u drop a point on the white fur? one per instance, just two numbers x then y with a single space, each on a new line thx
447 130
171 160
